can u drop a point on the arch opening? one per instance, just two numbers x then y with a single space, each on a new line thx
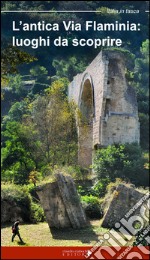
85 128
86 105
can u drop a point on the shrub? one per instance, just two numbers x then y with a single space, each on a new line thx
121 161
32 191
81 190
85 189
99 188
35 176
46 170
7 175
30 210
19 195
37 213
91 205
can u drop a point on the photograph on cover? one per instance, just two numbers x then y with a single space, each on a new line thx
75 128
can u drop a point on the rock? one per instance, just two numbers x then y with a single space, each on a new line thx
124 199
61 203
10 211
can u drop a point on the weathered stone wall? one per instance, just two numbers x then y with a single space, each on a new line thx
85 144
53 205
123 200
61 203
114 106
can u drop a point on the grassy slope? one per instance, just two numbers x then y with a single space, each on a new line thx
39 235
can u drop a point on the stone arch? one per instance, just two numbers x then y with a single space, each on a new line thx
85 127
114 105
86 98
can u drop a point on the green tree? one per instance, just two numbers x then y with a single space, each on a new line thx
15 83
39 133
69 67
40 73
141 84
54 119
21 152
11 58
17 111
121 161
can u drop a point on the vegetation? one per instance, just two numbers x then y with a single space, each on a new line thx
141 82
69 67
31 210
11 57
91 205
34 137
121 161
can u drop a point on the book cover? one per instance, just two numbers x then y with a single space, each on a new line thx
75 118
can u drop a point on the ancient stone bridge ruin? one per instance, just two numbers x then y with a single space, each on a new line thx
107 104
